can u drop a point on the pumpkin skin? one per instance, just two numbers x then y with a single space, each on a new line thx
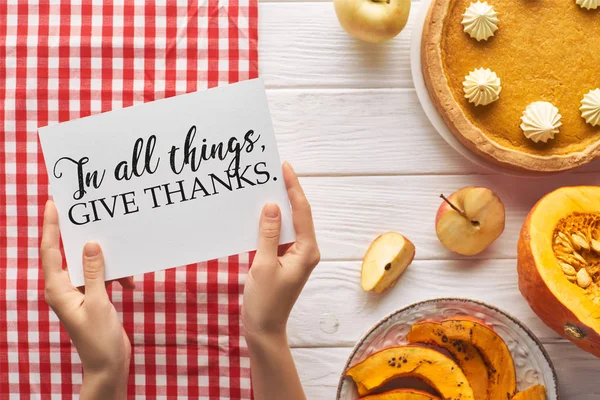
402 394
559 303
537 392
466 355
502 382
432 367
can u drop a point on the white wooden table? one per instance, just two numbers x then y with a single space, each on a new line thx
347 117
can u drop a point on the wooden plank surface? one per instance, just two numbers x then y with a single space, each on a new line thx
303 45
315 130
328 317
347 116
350 212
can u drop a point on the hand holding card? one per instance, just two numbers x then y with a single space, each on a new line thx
167 183
105 354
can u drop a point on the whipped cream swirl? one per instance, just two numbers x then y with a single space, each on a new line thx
482 87
480 20
590 107
589 4
540 121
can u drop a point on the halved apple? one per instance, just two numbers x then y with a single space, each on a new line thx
469 220
386 259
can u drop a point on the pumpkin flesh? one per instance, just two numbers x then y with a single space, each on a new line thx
573 312
432 367
466 355
402 394
502 383
537 392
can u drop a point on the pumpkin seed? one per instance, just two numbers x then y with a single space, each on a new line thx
567 259
595 245
568 269
583 278
579 240
563 237
565 250
579 258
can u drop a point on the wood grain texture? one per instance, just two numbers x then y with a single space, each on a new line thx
334 311
345 132
303 45
349 212
577 371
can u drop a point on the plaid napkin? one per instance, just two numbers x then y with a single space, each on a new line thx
64 61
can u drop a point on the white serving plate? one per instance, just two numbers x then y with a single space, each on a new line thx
430 110
532 363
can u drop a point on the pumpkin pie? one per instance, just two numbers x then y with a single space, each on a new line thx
516 80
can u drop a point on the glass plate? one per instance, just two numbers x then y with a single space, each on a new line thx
532 363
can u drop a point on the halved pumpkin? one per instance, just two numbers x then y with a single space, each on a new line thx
434 368
402 394
537 392
502 382
466 355
559 263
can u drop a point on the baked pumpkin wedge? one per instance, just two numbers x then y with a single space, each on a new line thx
466 355
559 263
502 382
402 394
537 392
432 367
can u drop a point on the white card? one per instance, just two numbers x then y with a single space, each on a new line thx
121 179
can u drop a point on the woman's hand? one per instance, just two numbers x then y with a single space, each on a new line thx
271 290
89 317
274 283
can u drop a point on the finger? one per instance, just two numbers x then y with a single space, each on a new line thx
127 283
301 212
268 235
50 248
93 270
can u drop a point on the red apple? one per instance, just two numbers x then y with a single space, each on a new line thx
469 220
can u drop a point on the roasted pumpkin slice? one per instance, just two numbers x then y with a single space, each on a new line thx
502 382
537 392
434 368
559 263
402 394
466 355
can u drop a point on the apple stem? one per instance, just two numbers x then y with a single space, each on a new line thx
458 210
381 1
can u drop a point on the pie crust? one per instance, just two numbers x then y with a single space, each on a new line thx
453 108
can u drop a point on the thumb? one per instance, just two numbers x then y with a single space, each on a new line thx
269 230
93 270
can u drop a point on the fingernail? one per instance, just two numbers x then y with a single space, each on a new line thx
91 249
271 210
288 165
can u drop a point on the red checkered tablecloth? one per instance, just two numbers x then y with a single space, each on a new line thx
64 61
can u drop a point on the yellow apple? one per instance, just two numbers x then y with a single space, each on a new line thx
386 259
372 20
469 220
